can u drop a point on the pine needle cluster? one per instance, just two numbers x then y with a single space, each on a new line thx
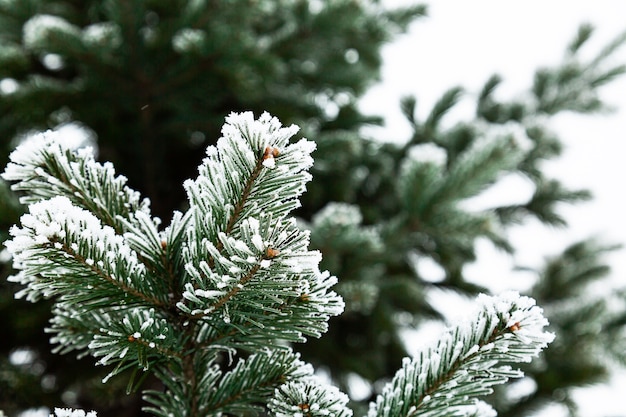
212 303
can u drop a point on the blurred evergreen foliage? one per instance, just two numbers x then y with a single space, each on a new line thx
152 81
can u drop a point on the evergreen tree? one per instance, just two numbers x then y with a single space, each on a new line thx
153 80
208 303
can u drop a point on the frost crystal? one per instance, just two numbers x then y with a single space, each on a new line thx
339 214
38 30
309 398
428 153
107 34
187 40
264 132
68 412
29 154
482 409
269 163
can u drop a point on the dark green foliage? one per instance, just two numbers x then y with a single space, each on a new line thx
154 80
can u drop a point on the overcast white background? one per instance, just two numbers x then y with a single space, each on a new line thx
463 43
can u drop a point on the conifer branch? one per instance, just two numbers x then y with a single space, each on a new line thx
466 362
230 294
240 205
43 167
251 259
108 278
232 274
309 398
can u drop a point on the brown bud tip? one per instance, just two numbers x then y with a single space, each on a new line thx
271 253
515 327
270 152
163 244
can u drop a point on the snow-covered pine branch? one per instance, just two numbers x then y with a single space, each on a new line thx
469 358
233 272
43 167
307 398
246 388
248 272
211 302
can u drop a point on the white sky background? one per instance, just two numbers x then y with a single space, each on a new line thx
463 43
